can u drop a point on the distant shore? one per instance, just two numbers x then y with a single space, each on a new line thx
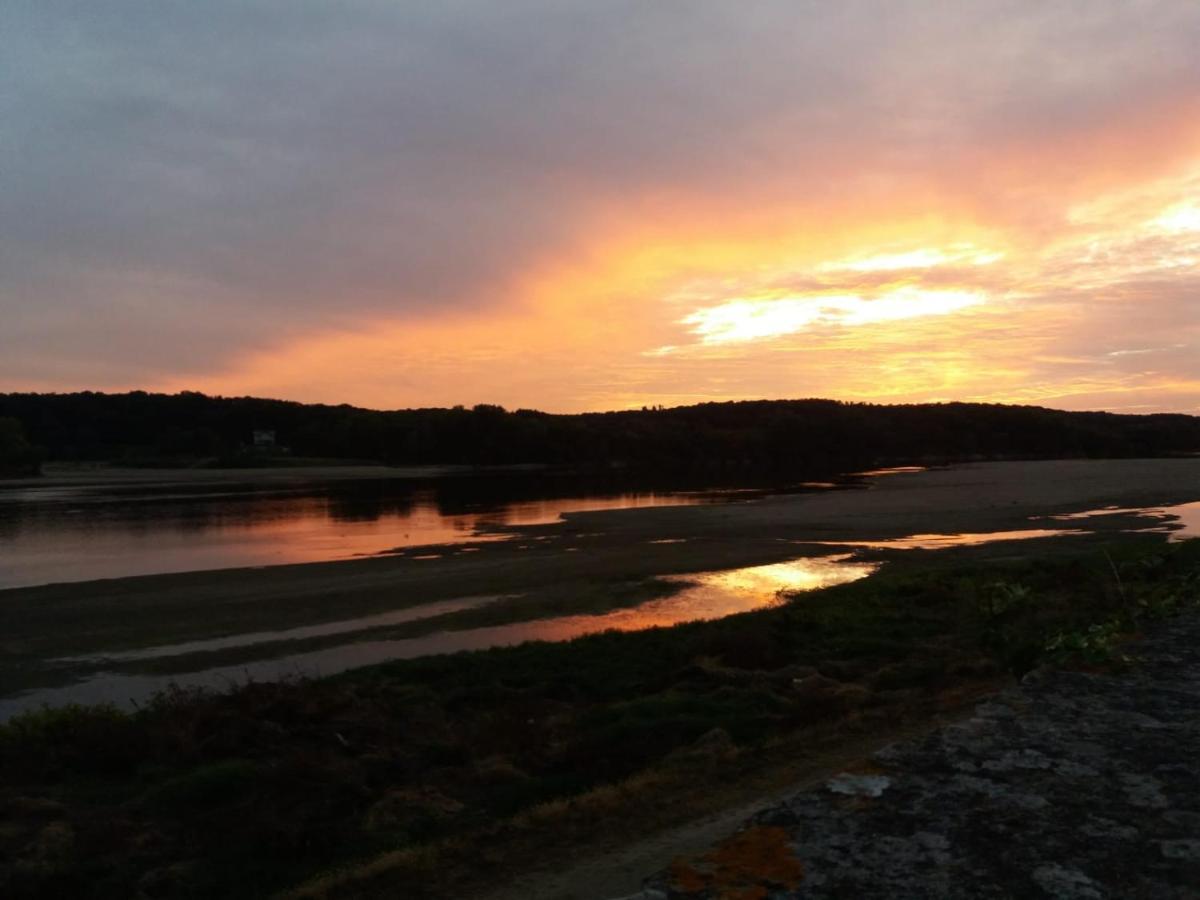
101 475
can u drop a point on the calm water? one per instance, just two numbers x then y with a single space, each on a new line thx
58 534
1181 521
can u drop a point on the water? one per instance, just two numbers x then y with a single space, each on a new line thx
703 595
303 632
81 533
86 531
947 541
1180 522
892 470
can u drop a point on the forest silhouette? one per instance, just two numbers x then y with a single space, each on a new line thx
142 428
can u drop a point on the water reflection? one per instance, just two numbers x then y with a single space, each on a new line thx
944 541
760 583
110 524
893 470
1181 521
76 534
706 595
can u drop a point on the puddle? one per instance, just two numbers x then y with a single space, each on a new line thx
345 626
1093 513
1181 521
733 587
706 595
669 541
943 541
894 470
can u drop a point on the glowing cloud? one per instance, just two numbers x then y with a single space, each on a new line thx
755 319
1184 217
923 258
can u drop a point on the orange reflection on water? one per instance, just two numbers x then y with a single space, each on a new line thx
705 595
1182 520
736 590
941 541
47 543
708 595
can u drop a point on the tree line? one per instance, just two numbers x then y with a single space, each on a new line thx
159 429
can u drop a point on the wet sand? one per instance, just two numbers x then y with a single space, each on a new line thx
590 549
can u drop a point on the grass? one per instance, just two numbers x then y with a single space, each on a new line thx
413 777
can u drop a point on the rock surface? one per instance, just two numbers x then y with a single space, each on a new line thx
1069 785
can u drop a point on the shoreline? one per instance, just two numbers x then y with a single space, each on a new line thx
105 475
590 562
970 497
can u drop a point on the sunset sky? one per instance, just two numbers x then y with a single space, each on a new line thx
579 206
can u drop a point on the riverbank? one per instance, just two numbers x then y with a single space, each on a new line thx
587 563
448 775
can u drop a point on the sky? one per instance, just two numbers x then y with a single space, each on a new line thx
600 205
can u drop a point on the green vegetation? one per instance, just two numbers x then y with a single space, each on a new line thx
809 435
409 777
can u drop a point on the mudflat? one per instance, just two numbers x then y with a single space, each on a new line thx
585 552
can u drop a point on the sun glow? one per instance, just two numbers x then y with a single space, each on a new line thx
763 318
1185 217
922 258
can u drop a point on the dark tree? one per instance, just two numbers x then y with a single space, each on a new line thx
17 455
799 435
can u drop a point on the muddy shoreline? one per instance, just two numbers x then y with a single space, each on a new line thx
611 546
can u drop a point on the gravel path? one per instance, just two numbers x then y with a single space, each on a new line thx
1069 785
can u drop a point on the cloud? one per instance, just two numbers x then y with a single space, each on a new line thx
749 320
194 193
